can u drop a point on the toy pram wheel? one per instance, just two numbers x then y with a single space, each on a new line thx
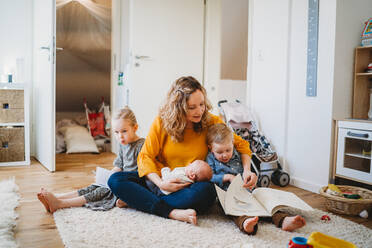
275 177
263 181
283 179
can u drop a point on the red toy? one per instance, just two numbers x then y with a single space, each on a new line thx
96 120
325 218
298 242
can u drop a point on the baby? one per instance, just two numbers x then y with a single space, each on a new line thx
197 171
226 164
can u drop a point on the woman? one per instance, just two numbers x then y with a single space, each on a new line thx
176 138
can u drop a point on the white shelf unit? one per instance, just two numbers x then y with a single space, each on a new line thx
14 124
354 142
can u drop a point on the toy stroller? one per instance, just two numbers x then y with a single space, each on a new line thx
240 119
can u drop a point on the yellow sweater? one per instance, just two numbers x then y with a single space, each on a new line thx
160 151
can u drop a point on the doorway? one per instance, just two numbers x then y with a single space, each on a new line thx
234 50
83 68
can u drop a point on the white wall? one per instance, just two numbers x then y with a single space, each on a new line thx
212 48
234 35
16 41
309 135
16 37
226 50
267 89
232 90
351 16
298 126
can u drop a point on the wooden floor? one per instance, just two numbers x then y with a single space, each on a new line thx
36 228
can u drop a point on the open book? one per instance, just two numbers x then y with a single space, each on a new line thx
102 176
239 201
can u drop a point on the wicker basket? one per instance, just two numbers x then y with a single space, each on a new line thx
341 205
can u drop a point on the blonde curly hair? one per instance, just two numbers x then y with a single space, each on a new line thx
173 111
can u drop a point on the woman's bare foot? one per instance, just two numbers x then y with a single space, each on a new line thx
43 201
120 204
292 223
186 215
249 224
52 201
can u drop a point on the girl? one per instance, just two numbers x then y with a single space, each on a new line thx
96 197
176 138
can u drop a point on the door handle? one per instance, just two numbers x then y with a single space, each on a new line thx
59 48
45 48
359 135
142 57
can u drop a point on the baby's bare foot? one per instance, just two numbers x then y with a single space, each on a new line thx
52 201
292 223
121 204
186 215
43 201
249 224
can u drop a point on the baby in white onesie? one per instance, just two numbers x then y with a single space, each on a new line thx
197 171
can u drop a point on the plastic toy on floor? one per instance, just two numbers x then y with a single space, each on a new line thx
334 190
319 240
298 242
325 218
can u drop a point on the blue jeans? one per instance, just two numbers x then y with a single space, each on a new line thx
132 189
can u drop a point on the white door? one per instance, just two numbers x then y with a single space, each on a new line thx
166 42
44 82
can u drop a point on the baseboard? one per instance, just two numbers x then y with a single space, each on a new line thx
306 185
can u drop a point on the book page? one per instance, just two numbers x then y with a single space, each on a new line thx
238 201
102 176
221 196
274 199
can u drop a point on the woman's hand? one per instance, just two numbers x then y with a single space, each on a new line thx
228 178
173 185
249 179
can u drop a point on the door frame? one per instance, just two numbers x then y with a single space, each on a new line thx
52 54
118 21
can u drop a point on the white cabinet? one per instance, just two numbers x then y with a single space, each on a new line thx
354 151
14 125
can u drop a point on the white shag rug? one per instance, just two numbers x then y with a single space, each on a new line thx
9 200
81 227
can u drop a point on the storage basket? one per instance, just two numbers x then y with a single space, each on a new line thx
342 205
11 106
12 146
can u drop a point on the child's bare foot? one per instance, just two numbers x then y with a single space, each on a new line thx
52 201
120 204
43 201
186 215
292 223
249 224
